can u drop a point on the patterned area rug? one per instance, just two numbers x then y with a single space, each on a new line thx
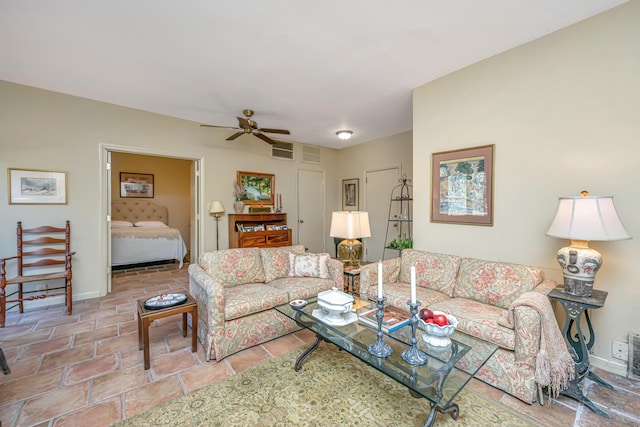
333 389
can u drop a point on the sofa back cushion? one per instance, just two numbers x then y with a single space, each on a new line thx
232 267
433 271
275 261
495 283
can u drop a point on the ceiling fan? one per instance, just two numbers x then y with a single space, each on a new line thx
246 125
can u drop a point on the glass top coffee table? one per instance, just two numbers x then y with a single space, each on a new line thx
439 380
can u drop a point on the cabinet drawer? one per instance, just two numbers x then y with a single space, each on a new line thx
275 238
252 240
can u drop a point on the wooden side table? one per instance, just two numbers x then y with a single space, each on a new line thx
574 306
351 273
147 316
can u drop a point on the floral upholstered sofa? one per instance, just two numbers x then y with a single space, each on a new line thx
236 290
477 293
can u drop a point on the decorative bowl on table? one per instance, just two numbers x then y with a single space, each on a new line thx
436 335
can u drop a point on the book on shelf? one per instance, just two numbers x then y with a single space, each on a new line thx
394 318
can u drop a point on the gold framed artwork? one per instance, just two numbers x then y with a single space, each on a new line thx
350 196
37 187
257 188
462 186
137 185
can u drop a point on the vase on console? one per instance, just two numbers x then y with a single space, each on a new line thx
238 206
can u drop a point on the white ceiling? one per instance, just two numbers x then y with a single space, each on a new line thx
312 67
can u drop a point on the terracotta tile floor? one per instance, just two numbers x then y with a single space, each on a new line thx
66 370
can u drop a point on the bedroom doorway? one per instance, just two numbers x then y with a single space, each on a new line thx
177 186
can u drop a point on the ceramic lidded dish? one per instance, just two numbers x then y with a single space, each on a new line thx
334 302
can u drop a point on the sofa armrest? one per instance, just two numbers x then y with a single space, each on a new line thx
209 295
336 272
527 334
369 275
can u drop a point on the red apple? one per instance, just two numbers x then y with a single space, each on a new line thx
425 313
440 320
429 320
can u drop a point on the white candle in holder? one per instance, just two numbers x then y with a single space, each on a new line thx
379 279
413 284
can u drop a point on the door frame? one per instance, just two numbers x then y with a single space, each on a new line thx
196 214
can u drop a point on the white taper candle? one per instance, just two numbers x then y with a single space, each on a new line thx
379 279
413 284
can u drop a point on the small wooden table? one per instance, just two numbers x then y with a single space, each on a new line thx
146 316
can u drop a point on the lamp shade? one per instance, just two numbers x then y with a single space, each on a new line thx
587 218
350 225
216 208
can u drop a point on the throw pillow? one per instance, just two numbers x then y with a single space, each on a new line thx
151 224
309 265
121 224
275 261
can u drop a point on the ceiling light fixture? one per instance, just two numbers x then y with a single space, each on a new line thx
344 134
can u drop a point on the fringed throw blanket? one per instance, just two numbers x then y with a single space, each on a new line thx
554 365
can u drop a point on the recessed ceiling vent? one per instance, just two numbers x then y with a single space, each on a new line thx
282 150
311 154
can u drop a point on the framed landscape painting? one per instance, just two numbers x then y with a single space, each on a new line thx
462 186
258 188
37 187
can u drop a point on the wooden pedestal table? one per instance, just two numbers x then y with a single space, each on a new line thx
146 316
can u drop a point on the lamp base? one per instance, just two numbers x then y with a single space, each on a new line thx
579 266
350 252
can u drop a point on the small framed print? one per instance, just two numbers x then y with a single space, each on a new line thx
139 185
37 187
462 186
350 194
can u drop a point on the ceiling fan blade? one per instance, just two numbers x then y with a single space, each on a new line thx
235 135
282 131
265 138
215 126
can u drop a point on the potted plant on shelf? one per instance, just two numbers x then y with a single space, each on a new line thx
239 192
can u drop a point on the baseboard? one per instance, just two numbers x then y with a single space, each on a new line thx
618 368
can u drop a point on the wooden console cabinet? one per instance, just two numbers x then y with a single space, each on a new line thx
258 239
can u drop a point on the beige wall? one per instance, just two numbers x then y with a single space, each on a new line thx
563 114
171 179
45 130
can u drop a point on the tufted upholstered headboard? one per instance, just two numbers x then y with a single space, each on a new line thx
138 210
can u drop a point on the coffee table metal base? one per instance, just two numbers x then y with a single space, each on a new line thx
452 408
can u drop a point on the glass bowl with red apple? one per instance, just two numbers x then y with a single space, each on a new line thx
437 326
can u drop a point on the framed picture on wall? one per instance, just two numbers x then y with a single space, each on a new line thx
138 185
37 187
259 188
462 186
350 194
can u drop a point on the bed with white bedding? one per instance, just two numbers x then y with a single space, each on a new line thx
140 234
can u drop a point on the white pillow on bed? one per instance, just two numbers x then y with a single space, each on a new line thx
121 224
151 224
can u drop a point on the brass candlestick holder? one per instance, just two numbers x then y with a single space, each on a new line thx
412 355
378 348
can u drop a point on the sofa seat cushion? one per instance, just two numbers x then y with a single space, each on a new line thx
433 271
302 287
251 298
275 261
233 267
495 283
398 294
479 320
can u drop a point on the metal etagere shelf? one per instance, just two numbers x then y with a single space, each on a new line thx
400 219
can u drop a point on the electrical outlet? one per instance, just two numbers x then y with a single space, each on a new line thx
620 350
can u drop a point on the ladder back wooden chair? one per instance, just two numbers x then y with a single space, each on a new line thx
44 254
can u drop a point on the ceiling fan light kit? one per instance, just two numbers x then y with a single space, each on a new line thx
246 125
344 134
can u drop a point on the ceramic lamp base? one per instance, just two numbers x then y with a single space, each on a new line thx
350 251
579 266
